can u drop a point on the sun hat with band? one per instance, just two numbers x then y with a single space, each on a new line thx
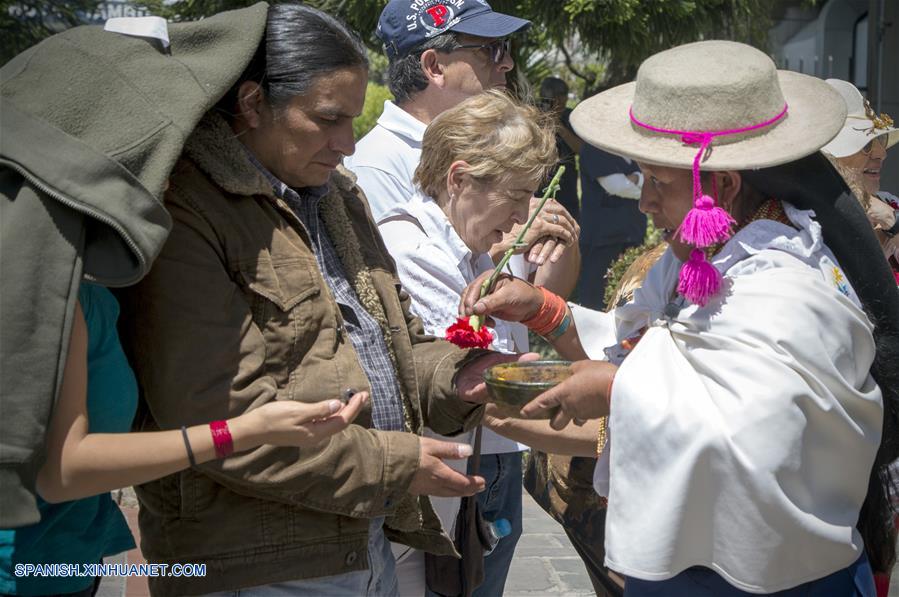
862 124
712 106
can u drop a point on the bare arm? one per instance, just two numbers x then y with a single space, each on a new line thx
573 440
81 464
570 138
561 277
513 299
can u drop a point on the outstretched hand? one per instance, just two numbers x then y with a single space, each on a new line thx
435 477
291 423
581 397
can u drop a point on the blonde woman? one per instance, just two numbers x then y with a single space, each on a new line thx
481 164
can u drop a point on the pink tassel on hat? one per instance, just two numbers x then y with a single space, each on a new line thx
706 224
699 280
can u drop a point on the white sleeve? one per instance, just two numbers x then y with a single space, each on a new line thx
619 185
596 330
433 282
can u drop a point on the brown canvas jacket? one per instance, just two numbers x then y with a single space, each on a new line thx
235 313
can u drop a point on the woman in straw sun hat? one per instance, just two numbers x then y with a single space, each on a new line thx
858 152
752 418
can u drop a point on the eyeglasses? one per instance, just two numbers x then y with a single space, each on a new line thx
497 49
869 146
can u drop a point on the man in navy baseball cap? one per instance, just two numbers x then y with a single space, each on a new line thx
405 24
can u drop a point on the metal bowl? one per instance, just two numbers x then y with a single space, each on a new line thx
512 385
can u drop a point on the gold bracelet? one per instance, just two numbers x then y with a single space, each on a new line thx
602 435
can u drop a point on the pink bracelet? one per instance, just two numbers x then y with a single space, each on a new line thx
221 439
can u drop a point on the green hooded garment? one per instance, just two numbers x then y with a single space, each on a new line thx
91 124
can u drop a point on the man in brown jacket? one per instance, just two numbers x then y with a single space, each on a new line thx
275 285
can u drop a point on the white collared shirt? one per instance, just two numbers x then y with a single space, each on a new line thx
385 160
384 164
435 266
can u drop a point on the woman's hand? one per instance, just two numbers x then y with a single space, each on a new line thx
552 232
880 214
511 299
581 397
291 423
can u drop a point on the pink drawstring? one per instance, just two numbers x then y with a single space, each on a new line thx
706 224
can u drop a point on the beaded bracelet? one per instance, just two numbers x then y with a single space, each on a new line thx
602 436
604 421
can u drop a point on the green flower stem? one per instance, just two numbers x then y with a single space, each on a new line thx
551 190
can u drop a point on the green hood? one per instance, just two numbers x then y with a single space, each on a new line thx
92 123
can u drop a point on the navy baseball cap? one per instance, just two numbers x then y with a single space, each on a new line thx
405 24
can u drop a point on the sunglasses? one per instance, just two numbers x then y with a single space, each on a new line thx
869 146
498 50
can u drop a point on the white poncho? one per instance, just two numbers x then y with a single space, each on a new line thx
743 432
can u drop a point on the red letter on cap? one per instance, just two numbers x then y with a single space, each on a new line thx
438 13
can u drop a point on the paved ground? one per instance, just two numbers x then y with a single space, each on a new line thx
544 564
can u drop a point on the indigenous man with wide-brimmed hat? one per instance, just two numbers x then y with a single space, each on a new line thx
751 425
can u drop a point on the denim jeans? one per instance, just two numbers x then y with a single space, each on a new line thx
378 581
500 499
854 581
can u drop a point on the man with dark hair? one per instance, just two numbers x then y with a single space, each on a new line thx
440 53
553 98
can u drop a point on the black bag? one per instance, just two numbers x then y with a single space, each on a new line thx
453 577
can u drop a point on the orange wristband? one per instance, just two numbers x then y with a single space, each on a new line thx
550 314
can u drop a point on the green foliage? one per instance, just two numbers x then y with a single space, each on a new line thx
25 23
613 276
619 266
377 67
375 96
610 37
602 41
546 351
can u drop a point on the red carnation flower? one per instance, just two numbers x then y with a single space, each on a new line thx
464 336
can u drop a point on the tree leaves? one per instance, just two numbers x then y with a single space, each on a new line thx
606 40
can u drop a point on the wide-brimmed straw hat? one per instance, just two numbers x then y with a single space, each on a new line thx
862 124
713 86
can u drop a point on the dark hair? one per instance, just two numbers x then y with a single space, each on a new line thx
404 75
553 87
812 183
301 44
